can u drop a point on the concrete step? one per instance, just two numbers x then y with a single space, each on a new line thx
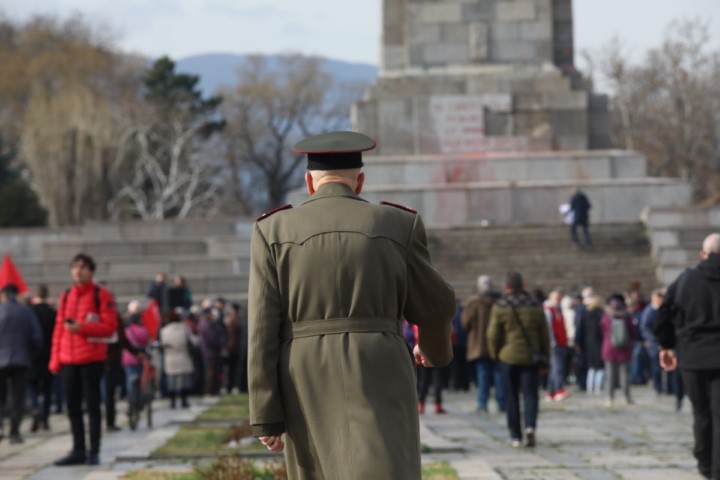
98 248
137 285
678 217
107 268
162 229
504 166
527 202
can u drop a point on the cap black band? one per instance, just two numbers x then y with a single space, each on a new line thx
334 161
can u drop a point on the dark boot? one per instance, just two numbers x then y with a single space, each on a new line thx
73 458
93 459
35 422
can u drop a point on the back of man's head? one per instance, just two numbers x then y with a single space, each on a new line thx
42 292
484 283
514 282
10 291
711 245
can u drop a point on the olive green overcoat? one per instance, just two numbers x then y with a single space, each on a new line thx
330 282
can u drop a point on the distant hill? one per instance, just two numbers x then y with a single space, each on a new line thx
220 69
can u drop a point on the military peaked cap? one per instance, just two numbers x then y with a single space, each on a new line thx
335 150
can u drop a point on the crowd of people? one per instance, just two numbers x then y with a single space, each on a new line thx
588 344
80 352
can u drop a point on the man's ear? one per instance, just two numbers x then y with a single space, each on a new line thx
309 183
360 183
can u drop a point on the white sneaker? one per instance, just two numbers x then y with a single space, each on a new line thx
514 443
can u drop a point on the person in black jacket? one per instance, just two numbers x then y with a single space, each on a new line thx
688 332
580 206
20 340
41 380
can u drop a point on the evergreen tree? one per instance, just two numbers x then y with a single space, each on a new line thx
19 205
175 176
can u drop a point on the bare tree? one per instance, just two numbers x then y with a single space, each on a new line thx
65 98
667 106
273 105
169 133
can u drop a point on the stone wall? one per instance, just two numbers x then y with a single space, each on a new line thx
517 166
526 202
421 34
479 76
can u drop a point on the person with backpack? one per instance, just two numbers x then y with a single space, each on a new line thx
619 332
86 318
139 338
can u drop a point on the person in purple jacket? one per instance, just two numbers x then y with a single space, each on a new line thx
618 331
211 346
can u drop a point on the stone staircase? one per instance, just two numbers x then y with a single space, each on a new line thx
545 257
676 236
213 255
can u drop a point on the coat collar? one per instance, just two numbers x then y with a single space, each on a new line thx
334 190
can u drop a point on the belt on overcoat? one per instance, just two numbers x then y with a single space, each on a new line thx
334 326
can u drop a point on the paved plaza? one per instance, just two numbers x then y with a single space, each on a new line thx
577 439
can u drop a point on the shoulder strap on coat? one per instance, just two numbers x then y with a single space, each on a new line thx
272 212
397 205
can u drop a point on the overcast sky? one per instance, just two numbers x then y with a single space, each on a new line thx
345 30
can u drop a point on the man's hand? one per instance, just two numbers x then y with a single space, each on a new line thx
73 327
668 360
420 358
273 443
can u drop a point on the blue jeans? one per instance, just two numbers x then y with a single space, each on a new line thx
595 379
132 374
525 380
655 369
488 371
638 365
556 379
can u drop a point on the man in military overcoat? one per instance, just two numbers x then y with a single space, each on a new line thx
330 283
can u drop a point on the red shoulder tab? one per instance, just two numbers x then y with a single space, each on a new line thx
272 212
401 207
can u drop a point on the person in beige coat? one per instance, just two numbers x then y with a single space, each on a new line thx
177 341
330 283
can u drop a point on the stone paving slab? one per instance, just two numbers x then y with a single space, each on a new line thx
578 439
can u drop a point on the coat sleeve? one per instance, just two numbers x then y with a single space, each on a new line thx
664 329
267 416
469 317
495 334
430 302
580 315
36 334
108 318
58 332
545 337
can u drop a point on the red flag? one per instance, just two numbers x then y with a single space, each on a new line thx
9 274
151 319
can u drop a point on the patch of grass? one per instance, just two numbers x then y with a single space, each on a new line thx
439 471
229 407
237 468
194 440
221 468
